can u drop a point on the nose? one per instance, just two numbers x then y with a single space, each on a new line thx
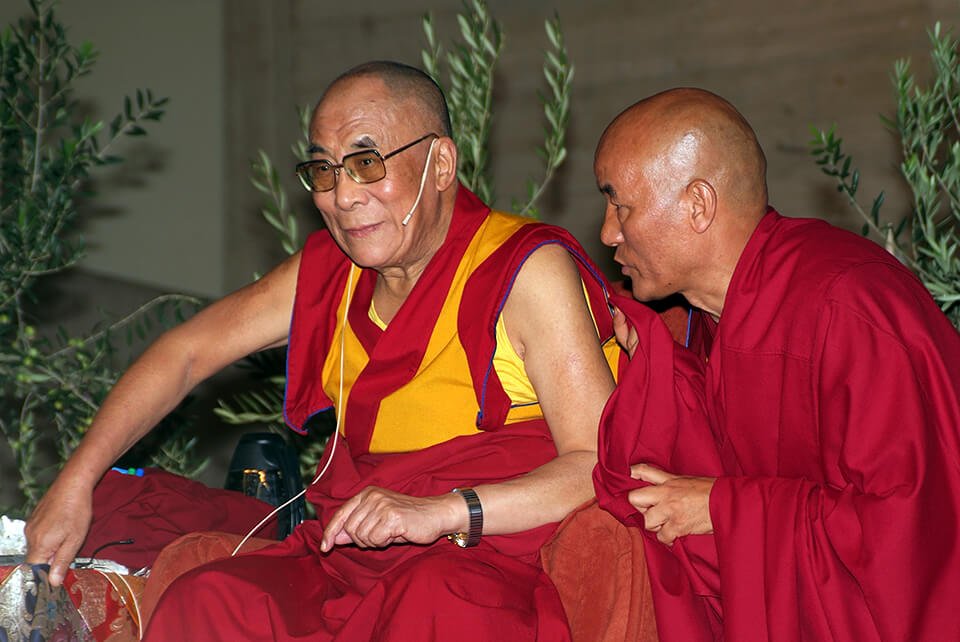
347 192
611 234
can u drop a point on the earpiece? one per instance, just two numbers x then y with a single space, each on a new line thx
423 181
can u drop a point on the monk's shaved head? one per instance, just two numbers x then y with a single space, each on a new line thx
685 134
419 93
685 186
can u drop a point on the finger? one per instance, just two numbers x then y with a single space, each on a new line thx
643 498
626 336
378 534
362 521
334 533
666 535
60 564
652 474
654 519
41 553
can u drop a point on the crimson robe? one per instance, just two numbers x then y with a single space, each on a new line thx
831 395
496 590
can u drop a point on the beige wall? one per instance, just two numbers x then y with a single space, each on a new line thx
785 65
235 71
157 218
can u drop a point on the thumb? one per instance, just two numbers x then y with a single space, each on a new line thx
626 335
650 474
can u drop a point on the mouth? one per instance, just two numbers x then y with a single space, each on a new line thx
623 266
361 231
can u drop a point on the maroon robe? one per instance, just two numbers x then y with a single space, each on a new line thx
832 394
494 591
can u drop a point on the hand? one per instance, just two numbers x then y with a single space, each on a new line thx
57 527
377 517
626 334
673 506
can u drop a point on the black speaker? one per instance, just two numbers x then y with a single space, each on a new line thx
265 466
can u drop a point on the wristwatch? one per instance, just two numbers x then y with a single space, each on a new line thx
472 536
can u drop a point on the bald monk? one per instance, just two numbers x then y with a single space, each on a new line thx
812 490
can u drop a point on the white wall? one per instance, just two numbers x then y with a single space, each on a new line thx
158 217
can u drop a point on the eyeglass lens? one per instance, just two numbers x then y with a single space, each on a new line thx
363 167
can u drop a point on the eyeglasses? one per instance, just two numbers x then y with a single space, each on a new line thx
365 166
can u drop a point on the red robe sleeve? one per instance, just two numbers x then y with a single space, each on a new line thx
656 415
871 550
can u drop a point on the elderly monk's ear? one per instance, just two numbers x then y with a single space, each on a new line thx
702 198
445 151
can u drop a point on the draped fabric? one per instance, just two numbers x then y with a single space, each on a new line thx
135 517
292 591
656 415
831 398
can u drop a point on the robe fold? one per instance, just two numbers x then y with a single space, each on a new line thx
656 415
831 393
436 353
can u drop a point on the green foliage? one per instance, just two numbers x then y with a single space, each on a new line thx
277 211
470 90
469 93
47 156
928 125
470 98
263 405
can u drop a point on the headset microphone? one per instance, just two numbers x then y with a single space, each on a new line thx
423 181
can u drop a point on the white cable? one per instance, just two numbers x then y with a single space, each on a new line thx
336 432
423 181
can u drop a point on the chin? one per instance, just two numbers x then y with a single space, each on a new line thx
370 260
642 291
650 294
366 253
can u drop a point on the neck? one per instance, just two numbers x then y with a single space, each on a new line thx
394 283
710 302
712 281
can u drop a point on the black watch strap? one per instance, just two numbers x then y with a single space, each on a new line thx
472 536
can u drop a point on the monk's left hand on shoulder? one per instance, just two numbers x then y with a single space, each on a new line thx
377 517
673 506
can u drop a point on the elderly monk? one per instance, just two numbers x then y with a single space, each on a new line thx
804 480
458 348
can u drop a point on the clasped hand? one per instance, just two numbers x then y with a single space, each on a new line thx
673 506
377 517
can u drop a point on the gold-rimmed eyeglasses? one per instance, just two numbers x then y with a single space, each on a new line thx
365 166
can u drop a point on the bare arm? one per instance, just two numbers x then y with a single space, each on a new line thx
549 324
250 319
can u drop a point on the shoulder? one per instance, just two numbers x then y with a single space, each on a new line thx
547 263
812 261
846 274
796 273
546 282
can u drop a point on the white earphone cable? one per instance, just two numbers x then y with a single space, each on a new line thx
336 431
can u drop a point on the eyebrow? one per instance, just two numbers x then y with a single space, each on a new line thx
364 142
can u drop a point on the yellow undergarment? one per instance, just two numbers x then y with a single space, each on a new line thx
506 362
